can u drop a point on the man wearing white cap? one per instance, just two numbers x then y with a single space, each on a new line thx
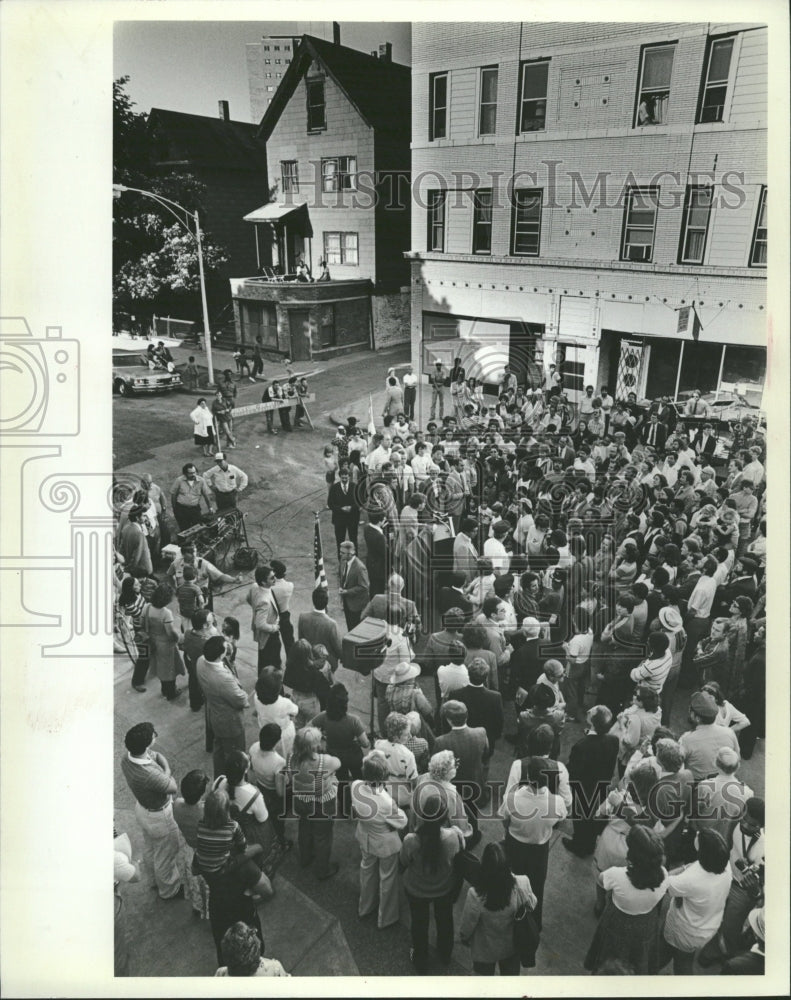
226 482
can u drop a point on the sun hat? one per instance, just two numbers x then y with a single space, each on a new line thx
404 671
670 619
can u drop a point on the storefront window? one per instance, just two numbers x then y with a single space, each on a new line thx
744 372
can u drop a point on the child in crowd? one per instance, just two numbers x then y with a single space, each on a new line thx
190 374
231 632
267 771
188 594
188 812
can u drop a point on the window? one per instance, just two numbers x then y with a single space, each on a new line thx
653 94
435 239
277 48
268 62
340 248
438 106
339 173
316 112
266 48
488 110
289 176
533 101
715 80
758 252
526 223
286 48
482 221
277 62
269 76
270 89
287 61
639 225
696 223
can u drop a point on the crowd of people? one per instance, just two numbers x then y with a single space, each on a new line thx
581 578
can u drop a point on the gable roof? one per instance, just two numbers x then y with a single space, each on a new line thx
209 142
378 89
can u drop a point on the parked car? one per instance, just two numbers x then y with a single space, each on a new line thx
131 374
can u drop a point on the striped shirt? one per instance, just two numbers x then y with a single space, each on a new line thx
214 846
147 780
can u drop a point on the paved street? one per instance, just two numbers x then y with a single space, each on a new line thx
311 927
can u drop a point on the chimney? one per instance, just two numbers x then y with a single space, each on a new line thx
374 54
336 33
386 52
225 114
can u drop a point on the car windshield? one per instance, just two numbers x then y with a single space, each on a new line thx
128 361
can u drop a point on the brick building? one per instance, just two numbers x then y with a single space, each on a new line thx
267 61
337 137
592 195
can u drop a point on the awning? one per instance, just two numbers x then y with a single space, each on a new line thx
274 211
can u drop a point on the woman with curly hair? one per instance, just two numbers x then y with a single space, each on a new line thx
400 759
311 774
630 928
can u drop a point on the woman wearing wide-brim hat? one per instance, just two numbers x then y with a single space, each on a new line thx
672 625
403 692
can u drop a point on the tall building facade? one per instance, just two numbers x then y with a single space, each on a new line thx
267 62
592 195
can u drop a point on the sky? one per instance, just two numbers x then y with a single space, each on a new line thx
191 65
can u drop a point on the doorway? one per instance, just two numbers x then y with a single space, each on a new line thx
299 327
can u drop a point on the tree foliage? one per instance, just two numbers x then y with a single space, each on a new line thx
155 259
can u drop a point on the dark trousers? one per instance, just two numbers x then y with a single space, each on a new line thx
469 792
276 807
585 833
186 517
269 653
168 689
508 967
225 501
344 530
222 746
193 687
410 394
285 418
140 671
258 366
352 617
443 920
530 860
227 905
314 835
286 632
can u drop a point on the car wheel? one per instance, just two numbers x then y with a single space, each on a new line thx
125 389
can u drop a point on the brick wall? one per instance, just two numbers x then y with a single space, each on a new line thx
391 318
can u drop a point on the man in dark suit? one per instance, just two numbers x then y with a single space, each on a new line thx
471 748
354 585
566 452
345 509
654 432
376 552
319 629
705 441
453 597
591 764
484 707
667 413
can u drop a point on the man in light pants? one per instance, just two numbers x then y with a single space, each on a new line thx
148 775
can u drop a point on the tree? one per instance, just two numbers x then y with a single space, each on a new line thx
155 260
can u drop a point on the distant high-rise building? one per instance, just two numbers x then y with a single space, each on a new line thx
267 61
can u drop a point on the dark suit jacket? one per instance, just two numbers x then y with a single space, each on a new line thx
661 434
375 558
484 708
470 747
592 759
450 598
356 585
336 500
525 664
708 448
320 629
567 456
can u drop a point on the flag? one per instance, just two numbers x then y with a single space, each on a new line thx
697 326
371 424
318 558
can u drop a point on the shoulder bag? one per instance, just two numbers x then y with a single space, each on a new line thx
527 936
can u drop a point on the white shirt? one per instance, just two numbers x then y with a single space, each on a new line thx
202 418
409 378
578 648
703 896
624 895
451 677
702 597
377 458
533 815
586 466
494 549
564 788
420 466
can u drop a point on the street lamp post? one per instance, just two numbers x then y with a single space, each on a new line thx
118 190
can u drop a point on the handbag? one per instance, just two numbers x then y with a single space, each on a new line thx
527 936
466 867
